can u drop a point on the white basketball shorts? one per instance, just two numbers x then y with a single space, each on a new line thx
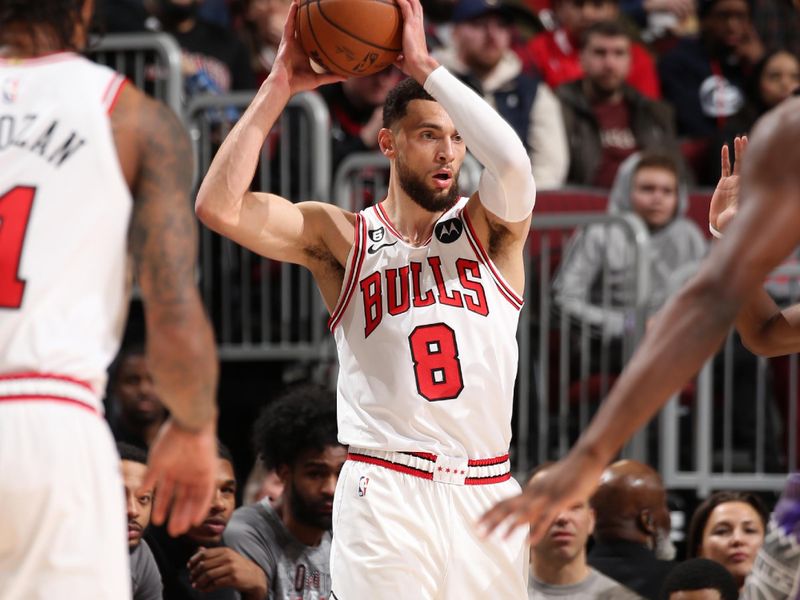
404 526
62 510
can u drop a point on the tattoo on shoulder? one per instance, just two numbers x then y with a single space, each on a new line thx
163 232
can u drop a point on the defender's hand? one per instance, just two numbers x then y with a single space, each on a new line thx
725 201
292 63
570 480
182 467
415 60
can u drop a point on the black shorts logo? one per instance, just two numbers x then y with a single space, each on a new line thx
449 231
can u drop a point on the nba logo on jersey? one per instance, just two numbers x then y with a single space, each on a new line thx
362 486
10 90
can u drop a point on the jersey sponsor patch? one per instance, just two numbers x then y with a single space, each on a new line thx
449 231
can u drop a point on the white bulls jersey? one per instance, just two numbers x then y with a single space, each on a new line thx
64 213
426 338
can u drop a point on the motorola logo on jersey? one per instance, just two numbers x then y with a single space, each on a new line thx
449 231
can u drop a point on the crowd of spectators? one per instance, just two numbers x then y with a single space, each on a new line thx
615 545
585 83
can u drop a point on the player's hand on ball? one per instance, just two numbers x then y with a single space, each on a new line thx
414 60
725 201
570 480
182 467
292 62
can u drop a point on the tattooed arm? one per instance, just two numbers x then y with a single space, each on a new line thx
157 158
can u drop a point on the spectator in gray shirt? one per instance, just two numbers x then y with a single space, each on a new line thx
296 435
145 578
195 566
558 562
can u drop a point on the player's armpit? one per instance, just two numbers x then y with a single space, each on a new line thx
162 243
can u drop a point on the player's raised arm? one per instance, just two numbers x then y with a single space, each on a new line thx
265 223
506 190
765 329
181 353
690 328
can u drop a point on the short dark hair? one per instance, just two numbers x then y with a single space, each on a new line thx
697 525
131 453
396 105
700 574
303 418
224 453
604 29
61 16
658 160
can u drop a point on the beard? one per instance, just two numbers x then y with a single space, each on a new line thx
431 200
664 548
309 512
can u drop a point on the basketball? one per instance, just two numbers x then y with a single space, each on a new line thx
352 38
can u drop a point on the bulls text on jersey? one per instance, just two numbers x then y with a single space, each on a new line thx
395 291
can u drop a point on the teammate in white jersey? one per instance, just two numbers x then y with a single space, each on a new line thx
424 292
74 139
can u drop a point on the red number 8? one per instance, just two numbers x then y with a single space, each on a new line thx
436 365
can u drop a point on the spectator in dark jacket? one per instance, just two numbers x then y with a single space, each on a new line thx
607 120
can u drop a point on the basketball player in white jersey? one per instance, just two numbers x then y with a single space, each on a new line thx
94 178
691 327
424 291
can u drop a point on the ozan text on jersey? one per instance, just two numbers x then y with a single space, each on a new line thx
402 289
42 138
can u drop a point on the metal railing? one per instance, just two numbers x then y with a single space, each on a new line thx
739 429
554 403
264 309
152 61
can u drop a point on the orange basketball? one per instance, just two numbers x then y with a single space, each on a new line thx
352 38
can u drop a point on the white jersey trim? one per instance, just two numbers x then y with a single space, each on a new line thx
112 92
352 271
41 386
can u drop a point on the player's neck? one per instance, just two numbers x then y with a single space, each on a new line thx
412 221
305 534
22 41
560 573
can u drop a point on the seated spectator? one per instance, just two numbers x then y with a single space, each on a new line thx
772 81
555 54
195 565
558 562
632 527
296 435
356 107
145 577
728 527
704 77
705 579
776 571
135 412
214 61
606 119
601 257
261 32
482 57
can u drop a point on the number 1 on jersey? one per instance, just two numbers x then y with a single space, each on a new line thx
437 368
15 210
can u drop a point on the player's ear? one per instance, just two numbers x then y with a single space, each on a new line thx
386 142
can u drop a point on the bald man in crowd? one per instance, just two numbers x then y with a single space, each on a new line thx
632 527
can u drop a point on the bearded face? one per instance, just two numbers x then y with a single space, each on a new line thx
432 200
